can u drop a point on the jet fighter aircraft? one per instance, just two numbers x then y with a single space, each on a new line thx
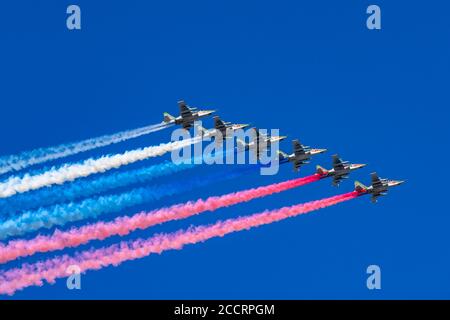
222 127
260 143
378 188
341 170
301 155
187 115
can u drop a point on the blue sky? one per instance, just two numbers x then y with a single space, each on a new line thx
314 71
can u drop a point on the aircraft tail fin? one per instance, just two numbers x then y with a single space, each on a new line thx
321 170
168 117
282 155
360 187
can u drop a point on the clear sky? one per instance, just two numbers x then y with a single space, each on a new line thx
311 69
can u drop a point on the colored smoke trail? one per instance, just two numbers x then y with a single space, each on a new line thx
95 259
29 158
70 172
62 214
87 188
124 225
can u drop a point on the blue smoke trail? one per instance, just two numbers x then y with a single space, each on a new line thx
87 188
91 186
61 214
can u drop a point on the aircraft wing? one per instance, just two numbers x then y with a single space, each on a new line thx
258 136
297 165
337 180
374 198
185 111
337 163
219 124
376 181
186 125
298 148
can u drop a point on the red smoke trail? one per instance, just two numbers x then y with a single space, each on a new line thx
124 225
52 269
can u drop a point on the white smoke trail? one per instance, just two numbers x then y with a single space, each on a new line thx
70 172
37 156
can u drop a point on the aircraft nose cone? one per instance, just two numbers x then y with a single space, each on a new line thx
279 138
397 182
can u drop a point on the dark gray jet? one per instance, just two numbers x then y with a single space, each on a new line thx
302 154
222 127
260 143
188 115
378 188
341 170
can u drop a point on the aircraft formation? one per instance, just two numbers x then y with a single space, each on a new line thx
300 156
38 206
